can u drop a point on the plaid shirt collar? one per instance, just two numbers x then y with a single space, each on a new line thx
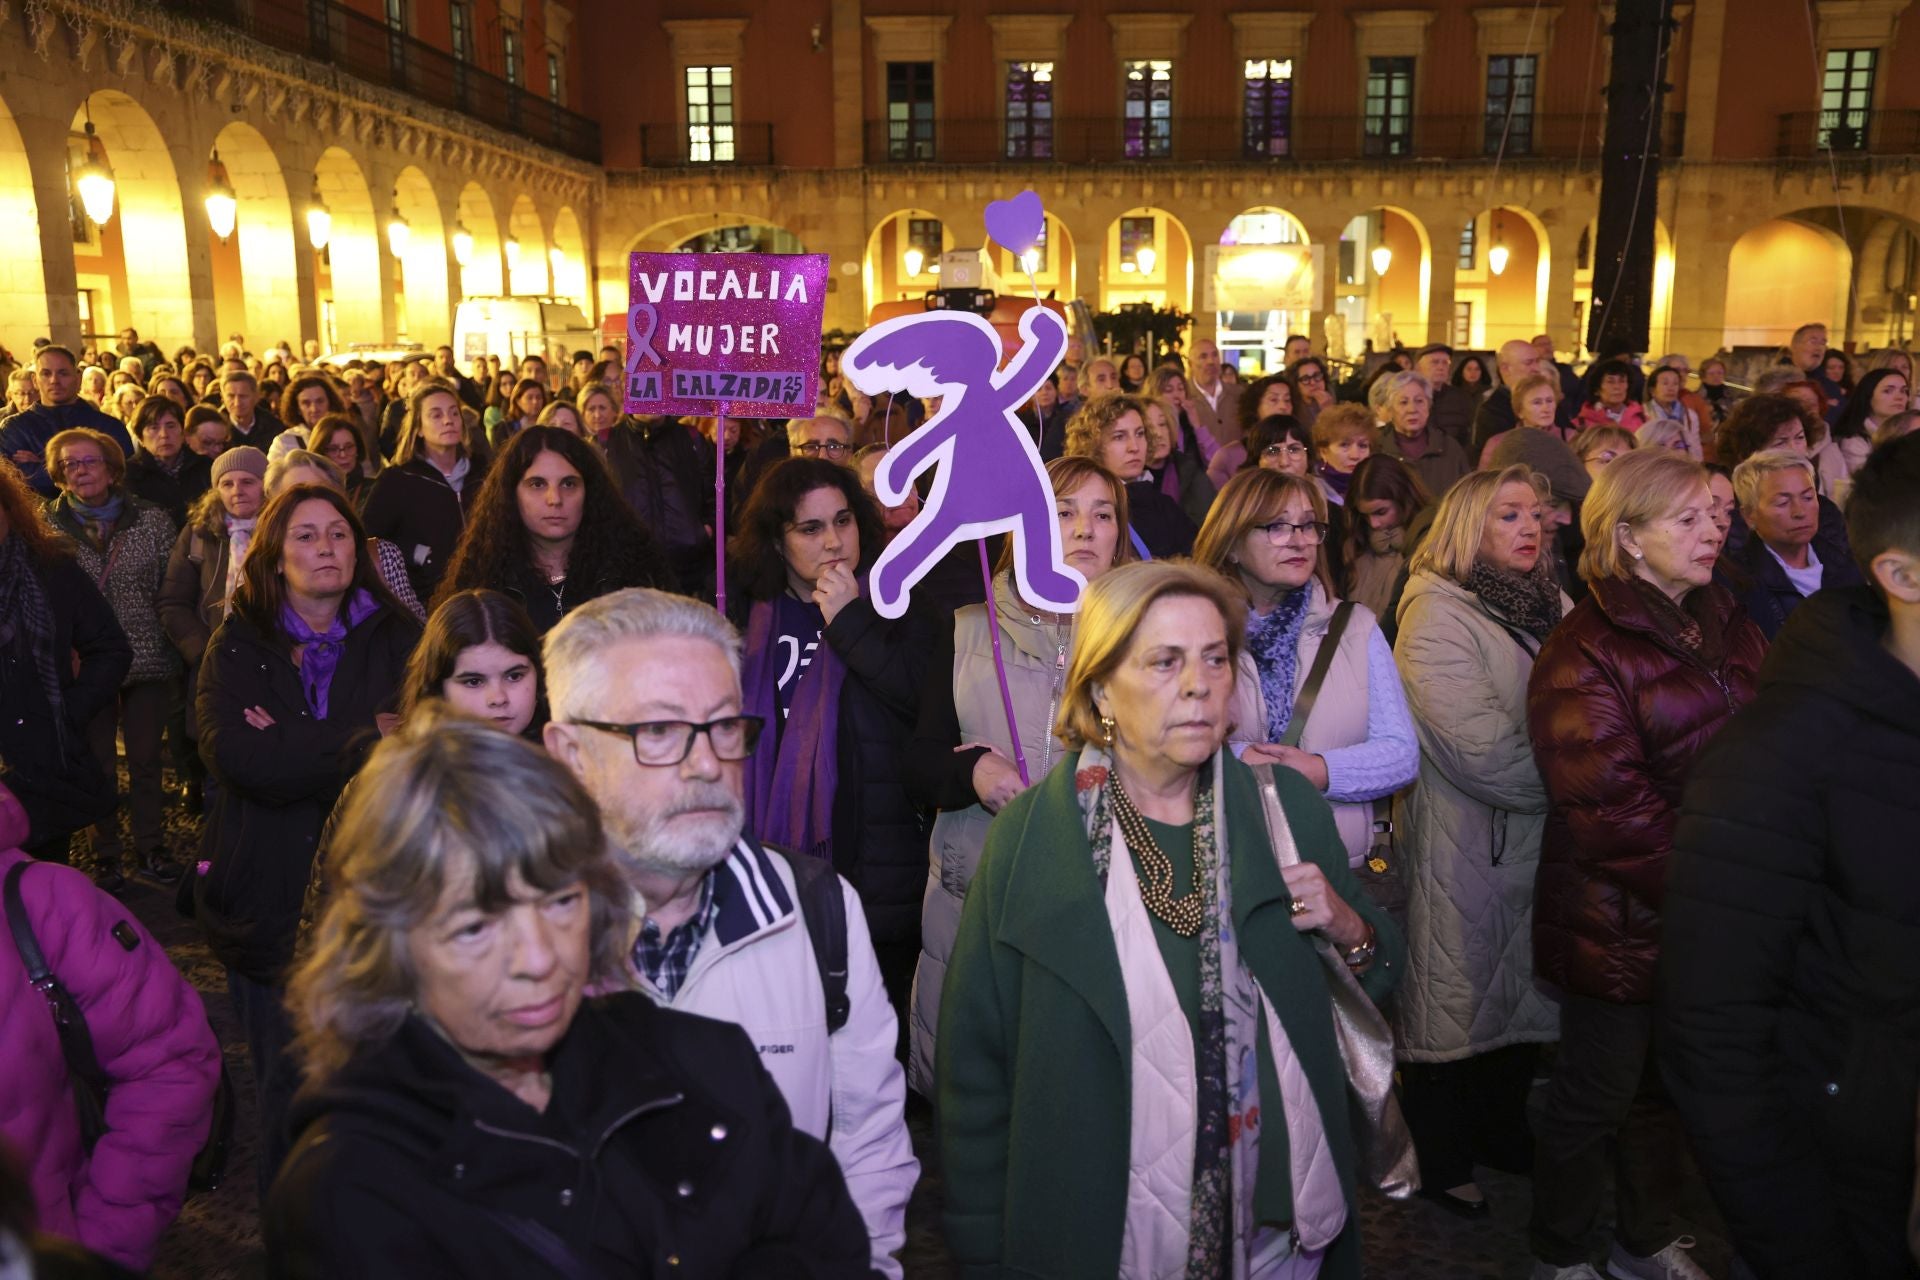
666 962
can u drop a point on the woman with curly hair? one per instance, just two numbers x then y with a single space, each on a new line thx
1112 430
549 529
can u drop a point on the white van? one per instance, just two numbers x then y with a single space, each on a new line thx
512 328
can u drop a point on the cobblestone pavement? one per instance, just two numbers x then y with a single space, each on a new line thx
217 1236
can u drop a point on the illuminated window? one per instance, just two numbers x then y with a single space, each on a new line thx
510 55
1136 233
710 115
1462 324
1469 249
1148 115
460 42
1846 99
909 111
1029 110
1510 82
397 40
1269 108
1389 107
926 235
553 77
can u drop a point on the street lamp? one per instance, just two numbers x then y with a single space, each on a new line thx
1497 256
913 260
1146 257
397 234
94 180
222 208
1031 261
319 221
1382 259
462 244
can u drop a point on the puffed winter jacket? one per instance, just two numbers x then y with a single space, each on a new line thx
128 571
151 1035
1619 712
1468 830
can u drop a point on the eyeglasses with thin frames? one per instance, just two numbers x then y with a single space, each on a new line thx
1313 532
664 743
832 448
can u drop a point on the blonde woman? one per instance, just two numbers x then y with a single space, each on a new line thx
1112 430
1177 472
1352 738
1480 600
962 760
1404 403
1129 934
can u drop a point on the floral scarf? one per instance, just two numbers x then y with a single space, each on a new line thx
1530 601
1274 642
1227 1101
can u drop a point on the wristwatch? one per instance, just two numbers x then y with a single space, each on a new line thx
1361 956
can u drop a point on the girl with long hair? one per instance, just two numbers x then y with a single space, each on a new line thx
549 529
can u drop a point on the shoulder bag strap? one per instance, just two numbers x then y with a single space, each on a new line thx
1316 675
69 1023
21 928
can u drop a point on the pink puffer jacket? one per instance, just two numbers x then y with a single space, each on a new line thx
151 1035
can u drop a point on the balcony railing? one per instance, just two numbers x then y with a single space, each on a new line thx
667 146
370 50
1191 140
1810 134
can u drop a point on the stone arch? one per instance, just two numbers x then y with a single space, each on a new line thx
265 278
423 267
526 264
1169 282
567 259
1785 272
1512 302
23 283
883 265
1258 283
348 283
1387 305
141 257
485 273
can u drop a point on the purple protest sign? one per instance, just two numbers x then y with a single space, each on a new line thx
725 333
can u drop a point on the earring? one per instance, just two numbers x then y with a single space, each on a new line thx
1639 555
1106 727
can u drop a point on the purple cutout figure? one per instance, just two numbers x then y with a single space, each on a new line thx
991 479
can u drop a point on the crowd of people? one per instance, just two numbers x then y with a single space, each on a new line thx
1567 722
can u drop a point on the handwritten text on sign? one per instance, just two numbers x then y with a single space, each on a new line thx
739 331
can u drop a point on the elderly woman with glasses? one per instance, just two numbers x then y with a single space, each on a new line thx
468 1110
1351 735
1136 1062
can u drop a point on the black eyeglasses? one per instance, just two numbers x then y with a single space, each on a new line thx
1312 532
659 743
833 448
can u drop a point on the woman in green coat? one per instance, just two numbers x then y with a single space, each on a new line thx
1137 1068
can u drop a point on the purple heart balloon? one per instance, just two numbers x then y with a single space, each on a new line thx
1016 224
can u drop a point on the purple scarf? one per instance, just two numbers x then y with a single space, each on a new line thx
792 775
1336 481
321 656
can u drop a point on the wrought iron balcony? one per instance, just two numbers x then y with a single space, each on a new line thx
1199 140
368 49
1818 134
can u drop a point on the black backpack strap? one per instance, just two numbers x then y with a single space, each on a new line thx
825 911
76 1041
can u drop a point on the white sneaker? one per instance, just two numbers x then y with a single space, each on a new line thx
1671 1263
1547 1271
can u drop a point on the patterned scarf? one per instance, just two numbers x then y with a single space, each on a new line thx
99 521
1227 1102
1530 601
1692 623
239 538
25 611
1274 642
320 657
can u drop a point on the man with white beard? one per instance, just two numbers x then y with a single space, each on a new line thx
645 694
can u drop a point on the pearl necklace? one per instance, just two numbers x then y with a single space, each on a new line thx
1184 915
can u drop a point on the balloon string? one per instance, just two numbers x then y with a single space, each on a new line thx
1000 668
720 511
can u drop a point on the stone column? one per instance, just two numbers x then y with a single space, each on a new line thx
46 143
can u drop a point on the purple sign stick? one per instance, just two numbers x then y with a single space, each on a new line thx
991 479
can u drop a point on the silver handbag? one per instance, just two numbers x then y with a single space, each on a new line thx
1385 1145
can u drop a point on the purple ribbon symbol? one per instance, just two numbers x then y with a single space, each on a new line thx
641 344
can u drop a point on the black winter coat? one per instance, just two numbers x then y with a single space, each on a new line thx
1789 991
1765 591
665 472
413 507
886 860
171 493
667 1150
278 785
61 790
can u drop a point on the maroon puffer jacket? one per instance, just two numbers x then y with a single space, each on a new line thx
1619 711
